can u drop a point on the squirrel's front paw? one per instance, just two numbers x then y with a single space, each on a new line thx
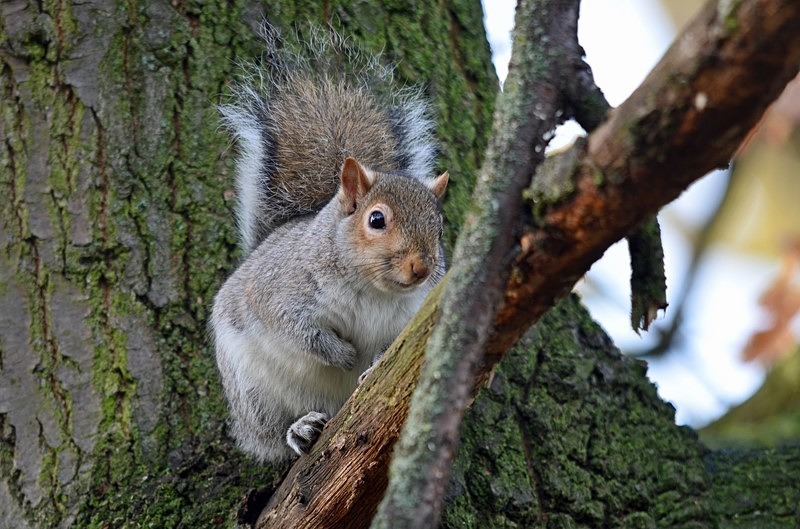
348 356
305 431
340 353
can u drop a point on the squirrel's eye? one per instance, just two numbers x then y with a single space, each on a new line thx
376 220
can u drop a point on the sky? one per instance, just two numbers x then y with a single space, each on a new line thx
703 376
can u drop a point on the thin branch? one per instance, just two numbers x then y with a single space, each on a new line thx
648 283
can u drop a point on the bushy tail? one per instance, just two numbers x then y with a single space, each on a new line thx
304 108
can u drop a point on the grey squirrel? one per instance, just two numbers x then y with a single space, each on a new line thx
341 226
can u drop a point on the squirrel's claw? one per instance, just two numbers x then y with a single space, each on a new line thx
305 431
363 376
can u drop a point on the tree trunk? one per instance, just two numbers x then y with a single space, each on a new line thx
117 231
569 433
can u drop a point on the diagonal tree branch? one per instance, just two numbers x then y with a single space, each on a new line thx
545 39
687 117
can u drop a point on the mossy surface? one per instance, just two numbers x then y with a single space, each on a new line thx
570 433
755 488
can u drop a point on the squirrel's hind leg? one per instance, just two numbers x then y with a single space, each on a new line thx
305 431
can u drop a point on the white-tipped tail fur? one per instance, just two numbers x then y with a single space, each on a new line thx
248 129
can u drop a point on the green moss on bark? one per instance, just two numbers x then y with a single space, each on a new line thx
571 434
755 488
166 199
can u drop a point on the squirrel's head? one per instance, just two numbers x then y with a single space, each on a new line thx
393 225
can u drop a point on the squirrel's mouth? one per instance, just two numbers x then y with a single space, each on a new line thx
405 286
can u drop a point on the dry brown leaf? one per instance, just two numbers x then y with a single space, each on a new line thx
781 302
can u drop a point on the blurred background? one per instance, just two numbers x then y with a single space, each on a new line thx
726 352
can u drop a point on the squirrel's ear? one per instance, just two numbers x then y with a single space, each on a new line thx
356 181
439 184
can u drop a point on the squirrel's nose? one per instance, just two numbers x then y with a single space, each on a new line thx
419 268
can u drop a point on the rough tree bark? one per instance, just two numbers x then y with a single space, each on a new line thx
117 229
